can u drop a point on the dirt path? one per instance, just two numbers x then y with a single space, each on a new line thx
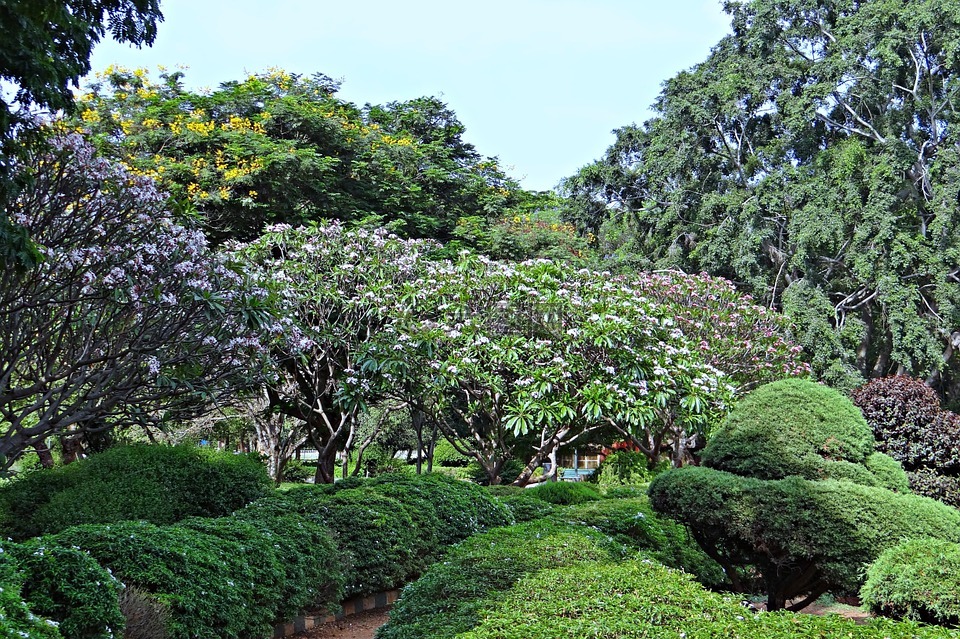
359 626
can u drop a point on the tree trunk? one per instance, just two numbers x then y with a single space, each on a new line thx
43 452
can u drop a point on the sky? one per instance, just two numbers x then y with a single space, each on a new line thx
540 84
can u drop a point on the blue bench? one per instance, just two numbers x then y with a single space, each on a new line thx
575 474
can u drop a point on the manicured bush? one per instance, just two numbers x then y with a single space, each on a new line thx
16 618
160 484
444 454
565 492
889 472
67 585
445 600
210 585
297 472
789 427
643 600
633 523
803 536
527 507
508 474
918 579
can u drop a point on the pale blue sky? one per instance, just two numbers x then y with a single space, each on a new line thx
539 83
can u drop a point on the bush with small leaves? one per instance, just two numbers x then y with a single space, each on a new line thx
565 493
444 454
16 618
67 585
641 599
624 468
789 427
633 523
918 579
527 507
159 484
445 600
931 484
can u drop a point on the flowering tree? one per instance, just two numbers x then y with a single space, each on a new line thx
542 351
341 289
128 314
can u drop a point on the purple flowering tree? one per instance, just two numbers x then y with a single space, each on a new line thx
128 316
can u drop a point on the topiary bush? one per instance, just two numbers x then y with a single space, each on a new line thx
565 492
789 427
159 484
211 585
68 586
525 507
633 523
641 599
444 454
802 536
445 600
931 484
917 579
888 472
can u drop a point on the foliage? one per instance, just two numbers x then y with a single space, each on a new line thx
888 473
790 427
632 522
160 484
909 424
445 600
564 492
127 315
641 599
622 468
525 507
206 582
279 148
802 536
67 585
296 472
939 487
811 158
918 579
444 454
16 619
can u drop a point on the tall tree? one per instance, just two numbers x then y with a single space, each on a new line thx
812 160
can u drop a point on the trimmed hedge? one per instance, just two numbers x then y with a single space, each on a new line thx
838 526
918 579
159 484
525 507
444 454
789 427
623 468
565 493
66 584
633 523
644 600
445 600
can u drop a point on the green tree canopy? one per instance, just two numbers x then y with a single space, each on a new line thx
812 159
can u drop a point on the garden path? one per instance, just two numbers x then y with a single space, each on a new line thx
359 626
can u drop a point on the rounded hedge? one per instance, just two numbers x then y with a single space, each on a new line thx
445 600
641 599
918 579
789 427
565 493
633 523
159 484
16 617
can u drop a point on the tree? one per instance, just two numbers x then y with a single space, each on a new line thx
811 159
283 148
128 314
46 48
341 290
790 488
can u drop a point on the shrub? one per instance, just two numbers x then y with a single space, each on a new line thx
70 587
297 472
633 523
444 454
445 600
931 484
16 618
565 492
789 427
624 468
210 585
508 474
888 472
527 507
160 484
902 411
803 536
918 579
643 600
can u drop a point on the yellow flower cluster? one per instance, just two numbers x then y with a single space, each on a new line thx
203 129
236 123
